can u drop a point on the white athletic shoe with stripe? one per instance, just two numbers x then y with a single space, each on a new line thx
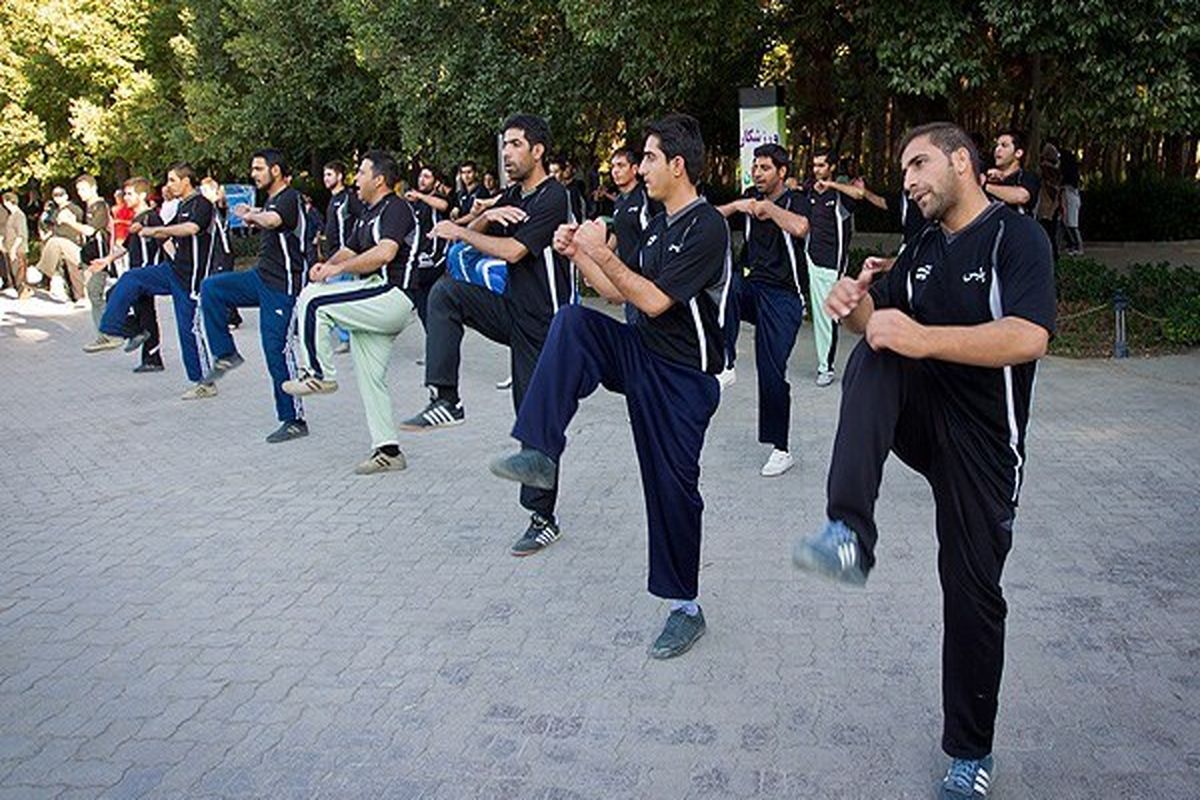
968 779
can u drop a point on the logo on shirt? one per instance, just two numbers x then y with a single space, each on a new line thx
675 248
978 275
923 272
653 238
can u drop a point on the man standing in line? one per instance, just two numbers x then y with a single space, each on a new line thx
1008 181
519 229
374 310
93 231
769 297
829 208
271 286
427 257
664 363
189 231
16 244
141 327
472 190
944 378
632 211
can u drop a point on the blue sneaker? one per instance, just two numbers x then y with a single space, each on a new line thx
834 553
967 779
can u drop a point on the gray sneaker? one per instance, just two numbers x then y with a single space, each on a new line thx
834 553
103 342
527 466
381 462
824 378
292 429
136 341
224 365
679 634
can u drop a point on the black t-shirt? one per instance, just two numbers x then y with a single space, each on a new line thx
828 241
221 252
427 258
1029 182
912 221
771 255
192 252
999 265
282 262
341 215
632 212
144 250
540 282
391 217
465 199
689 259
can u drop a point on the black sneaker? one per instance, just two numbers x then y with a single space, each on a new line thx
149 366
136 341
540 534
439 413
679 634
223 365
293 429
527 466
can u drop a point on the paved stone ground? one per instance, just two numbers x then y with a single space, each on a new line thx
186 611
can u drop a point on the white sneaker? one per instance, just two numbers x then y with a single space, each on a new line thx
727 377
505 384
779 462
824 378
58 289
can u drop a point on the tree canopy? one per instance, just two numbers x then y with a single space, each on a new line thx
126 86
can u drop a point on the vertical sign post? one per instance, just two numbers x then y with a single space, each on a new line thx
763 121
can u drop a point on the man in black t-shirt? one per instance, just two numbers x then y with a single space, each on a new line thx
373 310
427 258
519 229
664 363
632 211
271 287
189 231
470 191
1008 181
769 295
141 325
944 378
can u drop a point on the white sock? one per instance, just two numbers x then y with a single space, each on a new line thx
689 607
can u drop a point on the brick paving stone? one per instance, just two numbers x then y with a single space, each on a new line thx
186 611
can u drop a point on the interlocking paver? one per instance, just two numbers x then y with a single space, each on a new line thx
187 611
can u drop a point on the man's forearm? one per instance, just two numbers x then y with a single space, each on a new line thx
856 320
1002 343
178 229
364 262
633 287
504 247
595 277
1013 195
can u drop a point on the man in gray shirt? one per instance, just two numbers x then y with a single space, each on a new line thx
16 244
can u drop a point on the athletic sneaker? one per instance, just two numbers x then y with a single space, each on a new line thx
200 391
824 377
834 553
540 534
778 463
727 377
527 466
439 413
102 343
679 634
381 462
136 341
292 429
58 289
309 384
504 384
223 365
149 366
967 779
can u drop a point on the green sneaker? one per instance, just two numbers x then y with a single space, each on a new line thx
679 634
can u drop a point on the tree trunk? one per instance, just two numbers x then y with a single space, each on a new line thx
1034 140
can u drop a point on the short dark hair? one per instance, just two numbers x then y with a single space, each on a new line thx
384 166
336 166
1018 138
468 163
679 135
536 130
274 158
628 153
90 180
183 170
779 156
945 136
824 151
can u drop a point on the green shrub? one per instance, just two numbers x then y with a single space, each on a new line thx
1145 210
1182 325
